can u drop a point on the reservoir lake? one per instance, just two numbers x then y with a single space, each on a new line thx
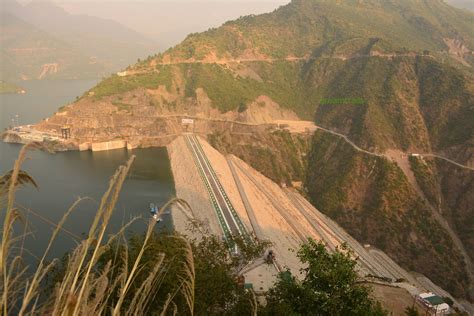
63 177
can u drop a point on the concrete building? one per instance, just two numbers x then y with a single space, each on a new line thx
434 304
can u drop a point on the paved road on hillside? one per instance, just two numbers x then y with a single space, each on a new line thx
448 160
289 58
349 142
382 155
437 216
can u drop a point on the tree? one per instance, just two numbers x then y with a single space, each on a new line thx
216 289
330 286
242 107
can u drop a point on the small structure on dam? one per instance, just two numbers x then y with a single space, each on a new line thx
66 132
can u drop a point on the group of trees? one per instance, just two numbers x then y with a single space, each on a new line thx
167 274
328 285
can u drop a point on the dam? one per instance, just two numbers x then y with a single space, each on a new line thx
267 212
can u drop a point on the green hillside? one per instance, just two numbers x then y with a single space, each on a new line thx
398 56
424 86
382 209
327 27
389 74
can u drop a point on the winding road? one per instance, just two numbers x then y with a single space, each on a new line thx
432 155
437 216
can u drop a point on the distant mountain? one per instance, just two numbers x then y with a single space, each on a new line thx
29 53
104 46
170 21
463 4
409 66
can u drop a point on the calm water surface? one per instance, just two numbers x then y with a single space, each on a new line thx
64 177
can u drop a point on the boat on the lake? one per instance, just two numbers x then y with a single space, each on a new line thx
154 212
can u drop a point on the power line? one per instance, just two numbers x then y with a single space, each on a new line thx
48 221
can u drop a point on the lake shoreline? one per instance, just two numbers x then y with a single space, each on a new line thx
69 173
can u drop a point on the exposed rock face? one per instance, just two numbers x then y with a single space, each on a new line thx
11 138
458 50
138 118
265 110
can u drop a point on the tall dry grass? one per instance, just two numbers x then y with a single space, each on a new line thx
82 289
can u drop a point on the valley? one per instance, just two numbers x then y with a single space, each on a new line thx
309 121
268 212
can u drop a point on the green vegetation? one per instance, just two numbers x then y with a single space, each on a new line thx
122 106
279 155
215 290
446 98
371 198
425 178
404 96
7 87
457 188
118 85
226 92
416 98
162 273
325 27
229 92
330 286
447 188
391 115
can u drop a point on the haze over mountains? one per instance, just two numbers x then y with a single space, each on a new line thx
463 4
169 22
87 46
41 40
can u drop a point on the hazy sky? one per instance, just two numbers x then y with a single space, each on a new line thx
169 21
165 21
149 1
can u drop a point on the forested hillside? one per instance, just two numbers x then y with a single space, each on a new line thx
404 72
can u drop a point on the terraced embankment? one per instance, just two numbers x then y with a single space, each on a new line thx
229 196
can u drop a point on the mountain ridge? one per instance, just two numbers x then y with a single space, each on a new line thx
410 64
319 27
28 51
105 45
